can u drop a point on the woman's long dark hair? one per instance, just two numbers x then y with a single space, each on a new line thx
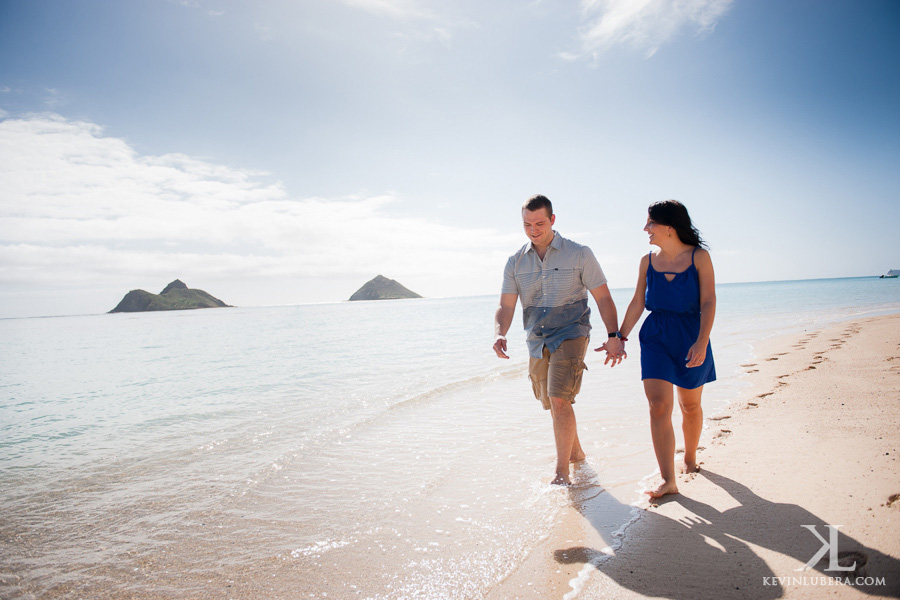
672 213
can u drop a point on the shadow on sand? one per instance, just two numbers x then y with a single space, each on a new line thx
714 550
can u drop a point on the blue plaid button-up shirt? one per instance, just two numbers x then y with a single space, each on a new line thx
553 291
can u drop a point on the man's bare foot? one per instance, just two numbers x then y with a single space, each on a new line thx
562 480
690 467
662 490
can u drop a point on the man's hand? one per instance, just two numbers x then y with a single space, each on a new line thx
500 347
502 320
615 351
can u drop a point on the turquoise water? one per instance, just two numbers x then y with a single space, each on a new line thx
371 450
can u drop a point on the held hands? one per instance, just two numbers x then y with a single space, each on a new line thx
500 347
615 351
696 354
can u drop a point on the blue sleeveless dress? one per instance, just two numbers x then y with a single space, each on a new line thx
672 327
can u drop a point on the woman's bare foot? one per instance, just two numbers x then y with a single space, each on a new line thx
662 490
577 457
690 467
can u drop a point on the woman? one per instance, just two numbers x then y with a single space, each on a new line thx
676 284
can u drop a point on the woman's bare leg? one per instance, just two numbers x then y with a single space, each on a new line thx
691 425
661 400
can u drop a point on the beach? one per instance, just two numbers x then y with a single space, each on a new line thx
261 453
812 443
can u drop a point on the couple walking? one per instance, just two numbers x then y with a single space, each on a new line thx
552 276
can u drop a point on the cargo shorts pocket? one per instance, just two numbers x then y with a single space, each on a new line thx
578 369
539 387
538 373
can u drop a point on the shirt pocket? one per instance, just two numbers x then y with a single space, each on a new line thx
529 285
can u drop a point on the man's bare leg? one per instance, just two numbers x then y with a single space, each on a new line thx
564 431
691 426
577 453
661 400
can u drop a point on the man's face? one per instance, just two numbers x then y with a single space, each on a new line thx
538 226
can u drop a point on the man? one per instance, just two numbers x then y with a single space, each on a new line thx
553 276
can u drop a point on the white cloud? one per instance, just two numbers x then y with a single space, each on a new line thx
82 208
398 9
643 24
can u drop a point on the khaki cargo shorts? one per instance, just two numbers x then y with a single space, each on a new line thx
558 375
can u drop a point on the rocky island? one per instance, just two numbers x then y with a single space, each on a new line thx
382 288
176 296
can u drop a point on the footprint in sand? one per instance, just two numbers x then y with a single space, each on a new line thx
766 394
753 371
722 433
577 555
773 358
752 405
810 367
721 418
892 500
749 365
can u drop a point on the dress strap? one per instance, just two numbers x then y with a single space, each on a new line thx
692 255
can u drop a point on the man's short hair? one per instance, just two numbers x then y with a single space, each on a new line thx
537 202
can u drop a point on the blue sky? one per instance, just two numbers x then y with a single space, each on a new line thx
286 152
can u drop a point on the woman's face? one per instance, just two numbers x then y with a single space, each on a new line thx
656 231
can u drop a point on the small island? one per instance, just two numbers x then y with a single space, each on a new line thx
382 288
176 296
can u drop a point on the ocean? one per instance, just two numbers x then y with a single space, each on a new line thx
371 450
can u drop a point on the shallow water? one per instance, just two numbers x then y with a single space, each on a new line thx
372 450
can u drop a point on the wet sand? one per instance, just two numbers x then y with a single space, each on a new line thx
811 448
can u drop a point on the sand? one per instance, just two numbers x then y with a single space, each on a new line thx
812 447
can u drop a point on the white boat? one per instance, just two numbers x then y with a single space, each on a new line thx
892 274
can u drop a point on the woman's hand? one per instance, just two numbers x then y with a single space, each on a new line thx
696 354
